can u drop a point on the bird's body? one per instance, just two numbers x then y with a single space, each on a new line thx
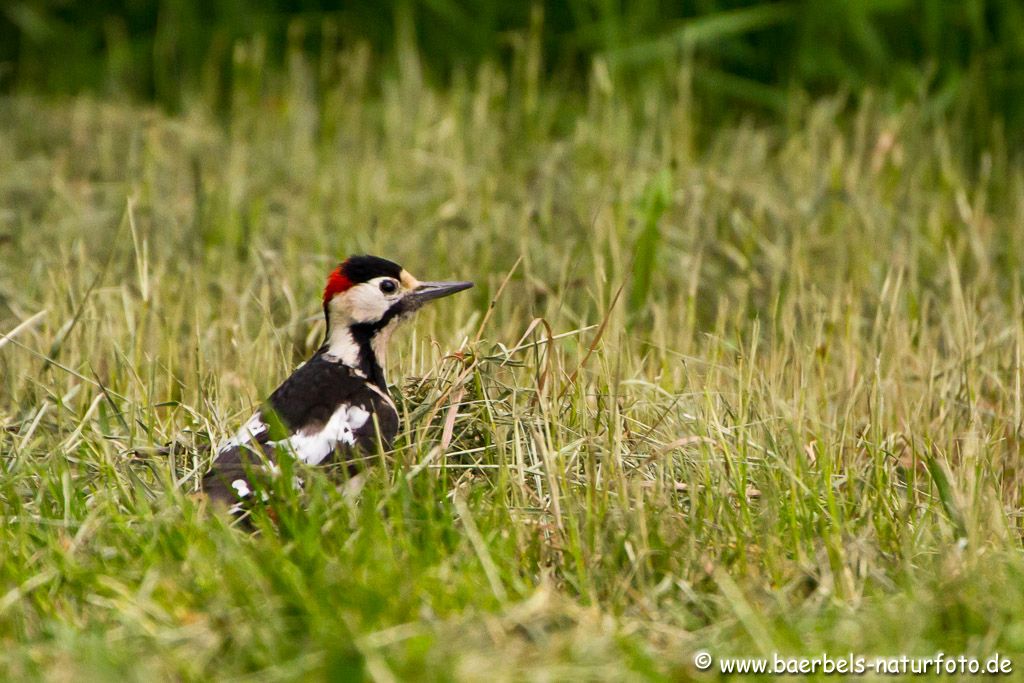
336 405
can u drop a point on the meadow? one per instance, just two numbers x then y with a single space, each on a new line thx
747 389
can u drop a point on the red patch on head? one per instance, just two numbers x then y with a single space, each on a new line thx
336 284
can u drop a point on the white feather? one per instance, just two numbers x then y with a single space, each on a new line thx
312 448
253 427
341 347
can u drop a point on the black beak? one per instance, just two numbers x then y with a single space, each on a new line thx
428 291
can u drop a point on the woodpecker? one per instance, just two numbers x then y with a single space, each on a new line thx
335 405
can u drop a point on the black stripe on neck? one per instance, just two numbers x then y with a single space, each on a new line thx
362 335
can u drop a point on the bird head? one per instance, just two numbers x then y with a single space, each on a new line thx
366 298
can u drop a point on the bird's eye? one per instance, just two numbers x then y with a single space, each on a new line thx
388 286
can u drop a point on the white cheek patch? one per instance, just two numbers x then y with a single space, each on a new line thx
365 303
241 487
340 430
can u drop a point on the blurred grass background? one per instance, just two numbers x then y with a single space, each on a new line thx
962 61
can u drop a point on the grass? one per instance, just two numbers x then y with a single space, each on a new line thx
964 59
796 430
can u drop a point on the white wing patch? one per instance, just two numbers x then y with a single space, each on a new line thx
312 448
309 447
248 432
